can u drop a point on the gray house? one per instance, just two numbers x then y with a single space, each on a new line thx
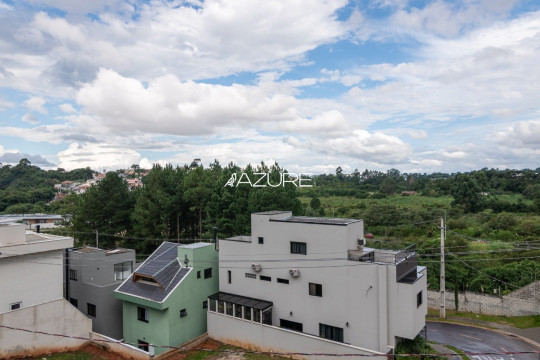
92 276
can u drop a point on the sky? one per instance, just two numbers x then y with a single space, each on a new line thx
415 85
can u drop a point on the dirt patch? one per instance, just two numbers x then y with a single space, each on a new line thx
99 352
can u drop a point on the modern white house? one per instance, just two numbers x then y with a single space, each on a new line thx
310 283
31 265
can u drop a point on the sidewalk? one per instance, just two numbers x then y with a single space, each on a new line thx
530 334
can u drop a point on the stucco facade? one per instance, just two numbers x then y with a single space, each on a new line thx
92 276
179 315
322 283
31 265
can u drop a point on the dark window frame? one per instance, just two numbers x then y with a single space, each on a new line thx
205 304
315 289
74 302
299 248
143 345
330 332
15 306
251 276
91 310
199 274
207 273
419 299
73 274
261 240
183 313
265 278
229 276
282 281
142 314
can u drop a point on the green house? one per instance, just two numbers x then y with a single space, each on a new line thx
165 299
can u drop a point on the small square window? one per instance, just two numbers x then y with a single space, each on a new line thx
205 304
315 289
261 240
207 273
142 314
199 274
73 274
298 248
183 313
143 345
91 310
15 306
419 299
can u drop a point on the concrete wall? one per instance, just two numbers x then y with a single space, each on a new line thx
95 284
31 279
362 298
57 317
261 337
125 350
508 305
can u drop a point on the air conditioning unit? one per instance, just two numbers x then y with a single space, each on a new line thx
294 272
256 267
361 242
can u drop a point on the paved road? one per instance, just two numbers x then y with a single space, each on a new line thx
477 340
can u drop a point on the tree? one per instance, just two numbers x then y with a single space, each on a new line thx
315 203
466 193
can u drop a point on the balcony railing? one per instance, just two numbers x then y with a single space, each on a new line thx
405 260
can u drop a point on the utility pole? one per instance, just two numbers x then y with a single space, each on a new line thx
442 280
97 239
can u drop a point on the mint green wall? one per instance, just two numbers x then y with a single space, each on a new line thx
165 326
155 331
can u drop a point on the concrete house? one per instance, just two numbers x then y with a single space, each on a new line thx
92 276
309 284
165 299
31 265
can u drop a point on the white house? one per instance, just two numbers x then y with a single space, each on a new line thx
314 279
31 265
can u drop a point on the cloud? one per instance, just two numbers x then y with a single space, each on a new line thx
97 156
13 158
170 106
30 118
5 105
35 103
521 135
67 108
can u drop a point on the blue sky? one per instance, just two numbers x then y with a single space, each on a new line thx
421 86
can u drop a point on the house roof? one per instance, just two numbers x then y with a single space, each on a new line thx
164 267
317 220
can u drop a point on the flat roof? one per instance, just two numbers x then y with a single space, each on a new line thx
196 245
317 220
273 212
242 300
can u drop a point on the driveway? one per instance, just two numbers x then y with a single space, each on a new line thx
477 340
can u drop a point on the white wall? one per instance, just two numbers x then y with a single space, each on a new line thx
270 338
32 279
364 295
58 317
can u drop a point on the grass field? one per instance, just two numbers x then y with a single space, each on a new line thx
521 322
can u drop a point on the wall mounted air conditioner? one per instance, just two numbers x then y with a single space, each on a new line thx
294 272
256 267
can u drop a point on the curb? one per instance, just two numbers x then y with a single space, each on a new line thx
522 338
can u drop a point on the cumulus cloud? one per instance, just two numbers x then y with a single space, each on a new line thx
13 158
30 118
97 156
35 103
67 108
521 135
170 106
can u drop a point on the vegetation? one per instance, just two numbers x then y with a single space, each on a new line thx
520 322
418 345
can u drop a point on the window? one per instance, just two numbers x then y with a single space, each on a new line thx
419 299
229 308
331 332
146 279
122 270
207 273
205 304
238 311
183 313
72 274
265 278
199 274
291 325
142 314
315 289
251 276
74 302
91 310
212 305
229 276
257 315
15 306
143 345
298 248
247 313
261 240
282 281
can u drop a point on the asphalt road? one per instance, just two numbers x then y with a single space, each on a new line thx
477 340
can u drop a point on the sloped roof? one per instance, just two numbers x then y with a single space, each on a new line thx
164 267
